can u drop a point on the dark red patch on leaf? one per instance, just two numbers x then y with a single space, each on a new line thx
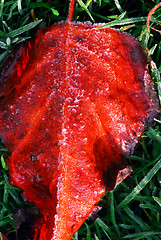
26 221
73 102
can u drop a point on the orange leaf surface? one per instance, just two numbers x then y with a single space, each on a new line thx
74 102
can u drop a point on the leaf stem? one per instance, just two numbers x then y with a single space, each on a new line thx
71 9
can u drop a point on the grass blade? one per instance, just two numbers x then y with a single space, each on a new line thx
1 7
140 186
136 219
104 227
85 8
88 237
123 22
113 213
141 234
157 200
23 29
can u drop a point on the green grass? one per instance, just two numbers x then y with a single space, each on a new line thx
133 209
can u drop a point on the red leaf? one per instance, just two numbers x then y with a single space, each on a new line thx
2 236
74 102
